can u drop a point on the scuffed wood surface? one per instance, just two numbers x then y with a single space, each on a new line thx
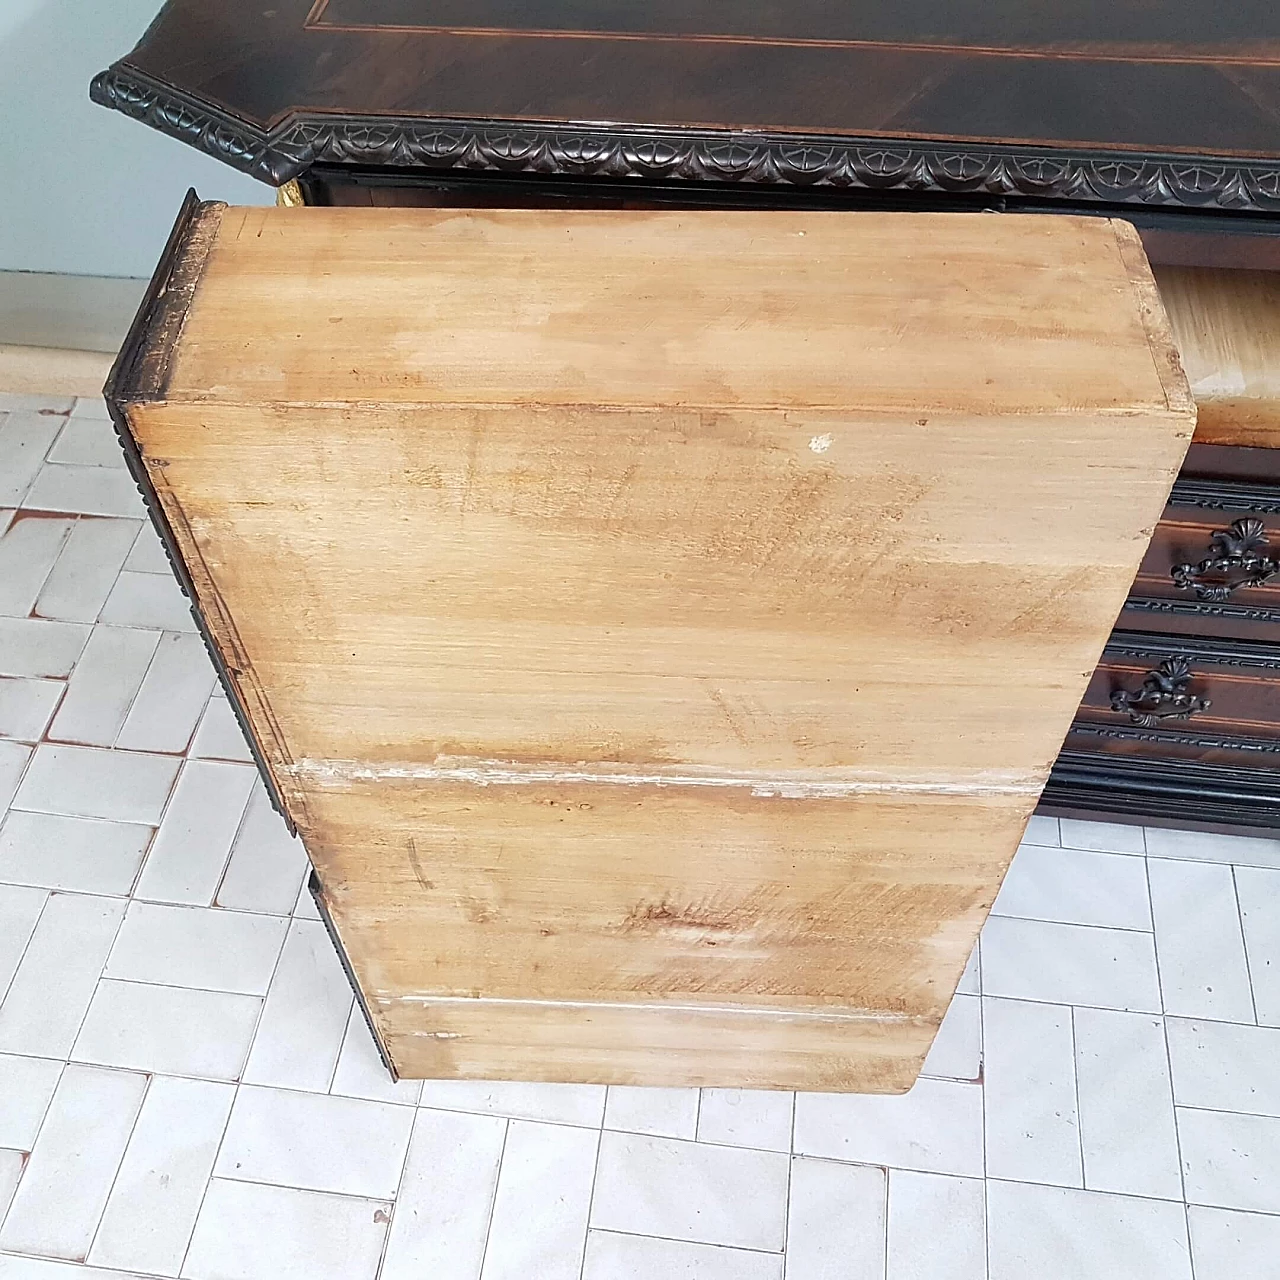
1227 327
660 626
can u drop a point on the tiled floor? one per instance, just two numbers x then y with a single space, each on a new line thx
187 1090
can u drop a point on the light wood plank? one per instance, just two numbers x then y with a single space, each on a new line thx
660 626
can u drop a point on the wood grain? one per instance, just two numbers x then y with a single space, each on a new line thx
660 626
1227 327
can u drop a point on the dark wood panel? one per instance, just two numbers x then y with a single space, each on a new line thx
1198 575
1088 102
1247 31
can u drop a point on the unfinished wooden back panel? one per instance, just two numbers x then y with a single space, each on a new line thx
659 626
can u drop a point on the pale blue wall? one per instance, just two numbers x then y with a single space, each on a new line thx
85 190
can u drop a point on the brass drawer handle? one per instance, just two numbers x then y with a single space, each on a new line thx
1162 696
1235 560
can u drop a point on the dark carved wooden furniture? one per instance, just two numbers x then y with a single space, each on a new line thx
1168 115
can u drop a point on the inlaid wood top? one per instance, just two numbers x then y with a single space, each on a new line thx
1114 100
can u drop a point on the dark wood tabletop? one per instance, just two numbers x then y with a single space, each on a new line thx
1161 102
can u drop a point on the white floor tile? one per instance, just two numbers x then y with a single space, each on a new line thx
96 491
148 554
190 851
305 1018
441 1218
36 647
26 1085
746 1118
25 439
1258 892
1057 1233
361 1072
62 1194
152 1209
12 1164
251 1232
936 1128
1074 887
1231 1161
1126 1104
1102 837
88 441
173 695
219 736
315 1142
148 600
665 1113
28 549
103 686
971 979
91 407
20 908
1225 1067
267 865
1069 964
691 1191
83 575
1032 1128
197 947
611 1256
1198 939
1233 1246
1201 846
580 1104
27 706
14 758
956 1053
304 907
835 1221
85 782
22 402
84 855
170 1030
1042 830
937 1227
54 983
539 1223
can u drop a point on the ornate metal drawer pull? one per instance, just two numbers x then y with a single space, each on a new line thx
1163 695
1235 561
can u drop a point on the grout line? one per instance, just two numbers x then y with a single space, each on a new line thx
1072 924
404 1168
26 946
884 1254
115 1177
342 1044
704 1244
591 1198
1075 1081
1244 945
493 1202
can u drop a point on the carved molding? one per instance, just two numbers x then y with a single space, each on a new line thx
619 151
1147 646
1226 495
1200 609
1174 737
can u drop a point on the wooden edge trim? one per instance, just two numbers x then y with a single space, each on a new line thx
142 369
316 889
1155 320
139 374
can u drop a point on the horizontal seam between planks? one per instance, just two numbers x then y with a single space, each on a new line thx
853 407
484 773
652 1006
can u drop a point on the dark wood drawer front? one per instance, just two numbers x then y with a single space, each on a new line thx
1184 697
1213 567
